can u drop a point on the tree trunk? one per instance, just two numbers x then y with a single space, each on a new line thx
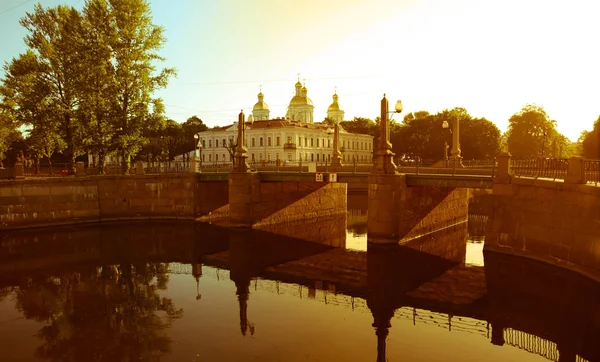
50 165
101 162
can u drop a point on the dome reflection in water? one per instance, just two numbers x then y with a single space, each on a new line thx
193 292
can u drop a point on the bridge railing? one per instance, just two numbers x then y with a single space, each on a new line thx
538 167
590 172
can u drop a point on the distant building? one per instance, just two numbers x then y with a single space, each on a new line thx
293 138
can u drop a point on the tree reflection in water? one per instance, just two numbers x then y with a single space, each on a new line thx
108 313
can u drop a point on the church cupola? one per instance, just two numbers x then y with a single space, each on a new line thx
300 107
261 110
334 112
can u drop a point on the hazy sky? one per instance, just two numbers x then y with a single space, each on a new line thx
489 56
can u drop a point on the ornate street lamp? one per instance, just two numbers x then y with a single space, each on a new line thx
446 126
384 157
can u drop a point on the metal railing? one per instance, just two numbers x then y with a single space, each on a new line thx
7 173
48 170
538 167
590 172
531 343
479 163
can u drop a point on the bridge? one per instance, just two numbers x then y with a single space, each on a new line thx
512 300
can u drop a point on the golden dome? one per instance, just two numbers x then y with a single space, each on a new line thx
298 84
300 100
260 105
334 106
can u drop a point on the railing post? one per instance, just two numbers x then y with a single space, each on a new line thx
139 168
503 173
19 170
79 169
575 170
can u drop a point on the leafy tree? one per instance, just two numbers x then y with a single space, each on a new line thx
8 134
135 49
421 134
360 125
531 132
192 126
52 63
96 86
590 141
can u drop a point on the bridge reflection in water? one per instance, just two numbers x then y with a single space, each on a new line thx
103 292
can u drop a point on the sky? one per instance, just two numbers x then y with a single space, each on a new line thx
491 57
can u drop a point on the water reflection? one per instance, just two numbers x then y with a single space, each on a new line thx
183 291
100 313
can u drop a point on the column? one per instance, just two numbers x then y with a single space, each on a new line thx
385 163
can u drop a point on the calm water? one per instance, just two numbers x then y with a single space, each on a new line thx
189 292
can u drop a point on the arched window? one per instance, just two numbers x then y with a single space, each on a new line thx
209 143
216 143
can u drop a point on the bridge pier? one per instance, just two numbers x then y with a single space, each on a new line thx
285 207
399 213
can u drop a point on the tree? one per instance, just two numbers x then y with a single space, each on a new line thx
135 49
192 126
8 134
531 132
53 61
96 86
590 141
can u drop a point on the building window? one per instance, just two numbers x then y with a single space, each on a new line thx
261 141
209 143
203 158
312 156
216 143
277 141
289 140
269 156
317 153
305 142
328 143
203 144
317 142
289 156
260 156
253 142
217 156
253 157
224 142
210 157
344 143
311 142
269 141
223 157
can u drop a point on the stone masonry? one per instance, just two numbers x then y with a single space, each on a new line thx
551 221
41 202
257 204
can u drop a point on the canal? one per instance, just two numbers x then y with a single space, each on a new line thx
179 291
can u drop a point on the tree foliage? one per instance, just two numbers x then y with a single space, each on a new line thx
531 132
590 141
87 80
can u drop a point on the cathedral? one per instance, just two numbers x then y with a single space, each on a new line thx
294 137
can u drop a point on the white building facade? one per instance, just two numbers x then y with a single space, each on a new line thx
293 138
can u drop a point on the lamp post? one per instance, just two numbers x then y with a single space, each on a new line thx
455 151
544 143
385 162
446 126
